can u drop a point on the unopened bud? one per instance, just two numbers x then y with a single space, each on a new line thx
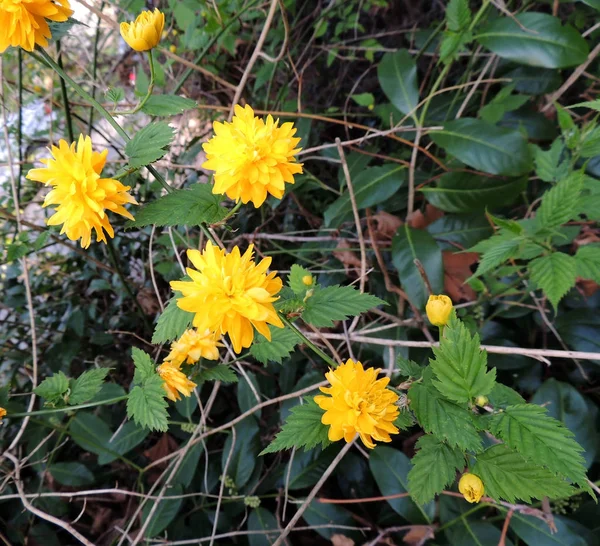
438 309
481 401
471 487
307 280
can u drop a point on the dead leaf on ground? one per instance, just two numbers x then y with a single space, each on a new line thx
587 286
420 220
456 270
418 535
341 540
165 446
349 259
386 225
147 300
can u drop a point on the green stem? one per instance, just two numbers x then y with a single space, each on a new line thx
95 68
308 342
65 97
46 59
148 93
232 211
69 408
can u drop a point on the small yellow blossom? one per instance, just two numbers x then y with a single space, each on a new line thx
481 401
438 309
192 346
145 32
175 381
172 48
2 413
359 403
252 158
471 487
81 195
230 294
24 23
307 280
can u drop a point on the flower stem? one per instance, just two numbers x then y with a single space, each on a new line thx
232 211
308 342
46 59
68 408
65 97
148 93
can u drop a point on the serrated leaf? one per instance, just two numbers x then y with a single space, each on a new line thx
87 385
434 467
282 343
442 417
149 144
167 105
502 396
501 248
297 273
547 162
405 420
53 388
452 44
147 405
144 366
336 303
507 475
458 15
541 439
303 428
409 368
114 94
460 365
15 251
588 262
189 207
172 323
559 203
555 274
221 373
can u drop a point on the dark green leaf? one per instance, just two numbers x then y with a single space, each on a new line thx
128 437
397 74
164 514
72 474
245 450
261 519
172 323
167 105
87 385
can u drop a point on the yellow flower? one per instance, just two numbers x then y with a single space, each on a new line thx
81 195
175 381
192 346
471 487
230 294
252 158
359 403
23 23
438 309
307 280
2 413
145 32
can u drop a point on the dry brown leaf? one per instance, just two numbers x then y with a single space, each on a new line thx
456 270
418 535
587 286
349 259
386 225
147 300
418 220
341 540
165 445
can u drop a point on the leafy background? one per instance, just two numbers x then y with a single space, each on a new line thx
482 145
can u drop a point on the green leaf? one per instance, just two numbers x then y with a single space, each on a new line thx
172 323
320 517
243 459
53 388
221 373
282 343
16 251
547 162
460 365
535 39
485 147
128 437
144 366
90 433
443 418
114 94
452 44
336 303
397 73
542 440
364 99
559 203
189 207
371 186
458 15
534 81
465 192
147 405
507 475
501 248
164 514
260 521
555 274
149 144
504 101
72 474
303 428
434 468
408 368
245 394
502 396
391 469
308 466
87 385
167 105
592 104
588 262
460 230
297 273
407 245
533 530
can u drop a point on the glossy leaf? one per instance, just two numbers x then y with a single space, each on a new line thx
397 74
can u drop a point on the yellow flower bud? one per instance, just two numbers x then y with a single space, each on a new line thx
371 106
174 32
481 401
307 280
172 48
438 309
37 89
145 32
471 487
2 413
